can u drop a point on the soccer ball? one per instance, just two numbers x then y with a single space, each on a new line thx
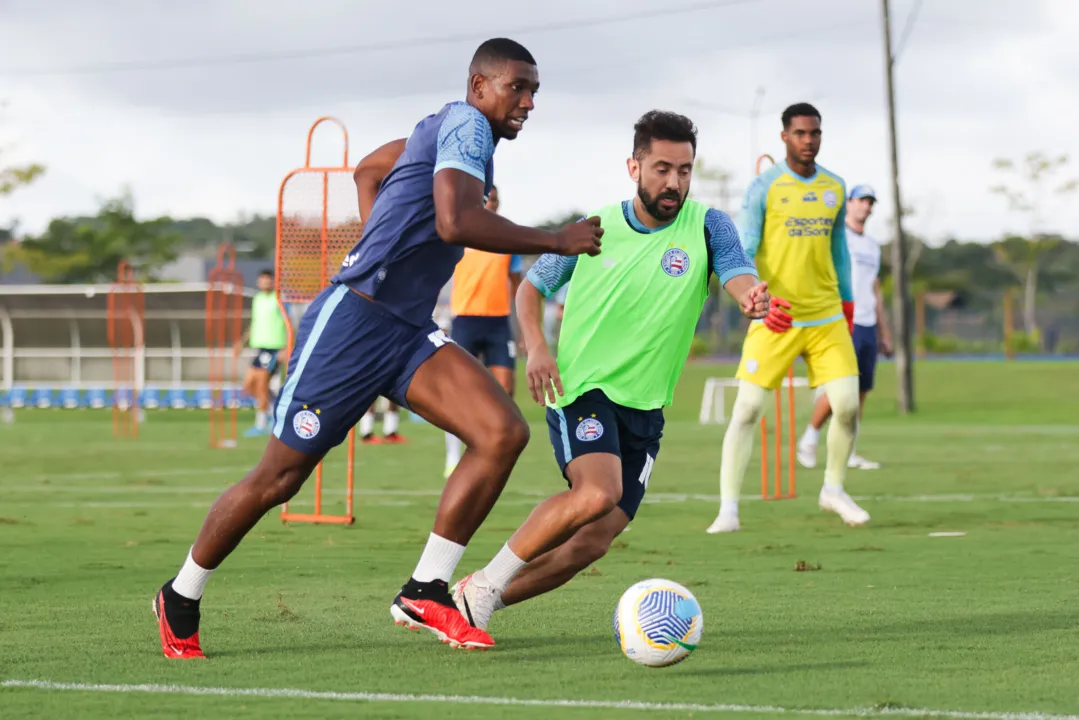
658 623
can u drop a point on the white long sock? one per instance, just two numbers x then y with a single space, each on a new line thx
843 397
453 450
367 424
191 579
390 421
811 435
260 419
738 442
439 559
500 571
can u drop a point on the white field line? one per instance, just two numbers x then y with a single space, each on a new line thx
523 702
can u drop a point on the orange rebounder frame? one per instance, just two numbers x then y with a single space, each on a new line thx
318 222
125 317
224 328
777 493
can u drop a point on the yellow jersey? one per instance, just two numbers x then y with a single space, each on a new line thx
794 228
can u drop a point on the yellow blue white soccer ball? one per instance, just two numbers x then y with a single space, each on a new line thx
658 622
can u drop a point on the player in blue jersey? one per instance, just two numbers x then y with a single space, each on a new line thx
370 333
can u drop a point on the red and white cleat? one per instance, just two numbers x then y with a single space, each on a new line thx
429 606
180 637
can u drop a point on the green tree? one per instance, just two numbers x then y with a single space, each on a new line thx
88 250
1027 257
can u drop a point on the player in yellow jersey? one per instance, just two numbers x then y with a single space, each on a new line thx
792 225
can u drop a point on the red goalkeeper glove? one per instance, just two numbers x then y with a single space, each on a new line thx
777 320
848 312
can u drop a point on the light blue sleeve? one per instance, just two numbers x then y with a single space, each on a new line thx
751 221
729 258
516 265
551 272
465 141
841 255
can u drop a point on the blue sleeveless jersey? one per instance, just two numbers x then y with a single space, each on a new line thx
401 262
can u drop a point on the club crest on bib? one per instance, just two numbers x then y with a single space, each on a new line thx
589 429
675 262
306 424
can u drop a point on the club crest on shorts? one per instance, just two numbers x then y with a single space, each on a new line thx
589 429
675 262
265 357
306 424
830 198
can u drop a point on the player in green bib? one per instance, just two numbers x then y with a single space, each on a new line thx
629 319
267 336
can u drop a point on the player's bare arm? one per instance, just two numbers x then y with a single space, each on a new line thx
462 219
372 170
541 370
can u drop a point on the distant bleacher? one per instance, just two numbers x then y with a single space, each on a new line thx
54 348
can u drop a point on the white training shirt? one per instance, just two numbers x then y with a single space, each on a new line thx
865 266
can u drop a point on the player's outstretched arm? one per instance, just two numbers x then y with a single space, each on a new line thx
372 170
461 219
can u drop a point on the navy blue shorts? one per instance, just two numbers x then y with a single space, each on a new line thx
594 424
265 359
487 338
865 348
349 351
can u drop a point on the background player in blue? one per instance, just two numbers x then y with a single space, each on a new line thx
370 333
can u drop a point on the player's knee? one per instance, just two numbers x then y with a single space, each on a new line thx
843 397
276 486
595 501
748 405
505 436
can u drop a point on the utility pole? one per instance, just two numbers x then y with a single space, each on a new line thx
901 310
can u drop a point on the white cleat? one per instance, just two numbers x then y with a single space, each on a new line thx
724 523
807 455
839 502
860 463
477 599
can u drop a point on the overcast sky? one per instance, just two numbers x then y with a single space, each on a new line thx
201 107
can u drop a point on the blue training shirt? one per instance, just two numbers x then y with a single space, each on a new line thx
551 272
401 261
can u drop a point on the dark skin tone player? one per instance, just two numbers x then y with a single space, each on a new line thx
370 333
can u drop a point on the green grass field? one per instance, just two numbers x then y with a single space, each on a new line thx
892 620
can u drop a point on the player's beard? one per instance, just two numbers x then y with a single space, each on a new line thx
651 204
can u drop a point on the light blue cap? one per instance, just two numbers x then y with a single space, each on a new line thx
862 191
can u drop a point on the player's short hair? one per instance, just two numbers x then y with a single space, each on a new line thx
799 110
662 125
266 271
499 50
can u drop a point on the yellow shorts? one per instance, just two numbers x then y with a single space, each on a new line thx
827 349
